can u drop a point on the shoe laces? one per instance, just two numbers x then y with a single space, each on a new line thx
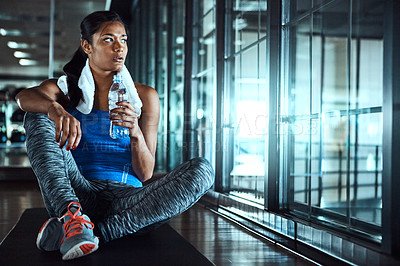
74 225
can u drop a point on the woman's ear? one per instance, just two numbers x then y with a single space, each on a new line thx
86 47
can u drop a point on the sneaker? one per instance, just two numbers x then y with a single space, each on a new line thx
79 239
50 235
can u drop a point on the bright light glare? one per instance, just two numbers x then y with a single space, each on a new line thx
16 45
180 40
251 118
5 32
371 162
200 113
27 62
252 81
19 54
372 129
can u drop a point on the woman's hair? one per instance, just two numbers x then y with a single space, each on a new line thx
89 26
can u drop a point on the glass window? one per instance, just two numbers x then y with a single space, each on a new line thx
293 9
175 121
158 74
333 83
300 95
248 22
203 82
159 51
246 100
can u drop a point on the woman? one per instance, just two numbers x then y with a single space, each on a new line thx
86 182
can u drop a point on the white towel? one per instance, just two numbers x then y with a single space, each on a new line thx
86 84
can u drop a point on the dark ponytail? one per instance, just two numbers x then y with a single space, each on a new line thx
89 26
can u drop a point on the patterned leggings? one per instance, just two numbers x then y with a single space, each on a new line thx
117 209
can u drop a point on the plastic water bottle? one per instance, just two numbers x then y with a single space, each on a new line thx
117 94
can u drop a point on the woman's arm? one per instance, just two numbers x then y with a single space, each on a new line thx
146 143
142 131
39 99
47 98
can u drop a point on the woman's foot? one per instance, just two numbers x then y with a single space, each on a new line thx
50 235
79 239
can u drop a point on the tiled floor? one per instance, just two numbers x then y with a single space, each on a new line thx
220 241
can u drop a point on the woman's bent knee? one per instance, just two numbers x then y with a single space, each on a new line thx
204 172
40 130
37 123
35 119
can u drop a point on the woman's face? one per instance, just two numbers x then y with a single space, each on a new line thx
109 47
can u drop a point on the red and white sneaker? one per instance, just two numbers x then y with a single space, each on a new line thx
50 235
79 239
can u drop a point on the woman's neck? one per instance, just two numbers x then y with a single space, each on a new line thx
103 82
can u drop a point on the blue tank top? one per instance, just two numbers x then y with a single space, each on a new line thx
98 156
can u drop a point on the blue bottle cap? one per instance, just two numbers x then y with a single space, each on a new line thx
117 78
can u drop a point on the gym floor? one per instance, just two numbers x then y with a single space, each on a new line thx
220 241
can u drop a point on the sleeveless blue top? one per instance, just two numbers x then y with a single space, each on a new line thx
98 156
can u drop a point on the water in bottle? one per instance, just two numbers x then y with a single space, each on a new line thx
117 94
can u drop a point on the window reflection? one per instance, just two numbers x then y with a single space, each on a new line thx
175 106
158 50
203 82
334 85
247 98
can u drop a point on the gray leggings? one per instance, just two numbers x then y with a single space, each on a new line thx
117 209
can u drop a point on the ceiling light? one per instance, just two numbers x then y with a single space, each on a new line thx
27 62
5 32
17 45
180 40
19 54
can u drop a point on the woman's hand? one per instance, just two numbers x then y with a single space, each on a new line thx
126 113
67 126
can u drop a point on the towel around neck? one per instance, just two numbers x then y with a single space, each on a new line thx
86 84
